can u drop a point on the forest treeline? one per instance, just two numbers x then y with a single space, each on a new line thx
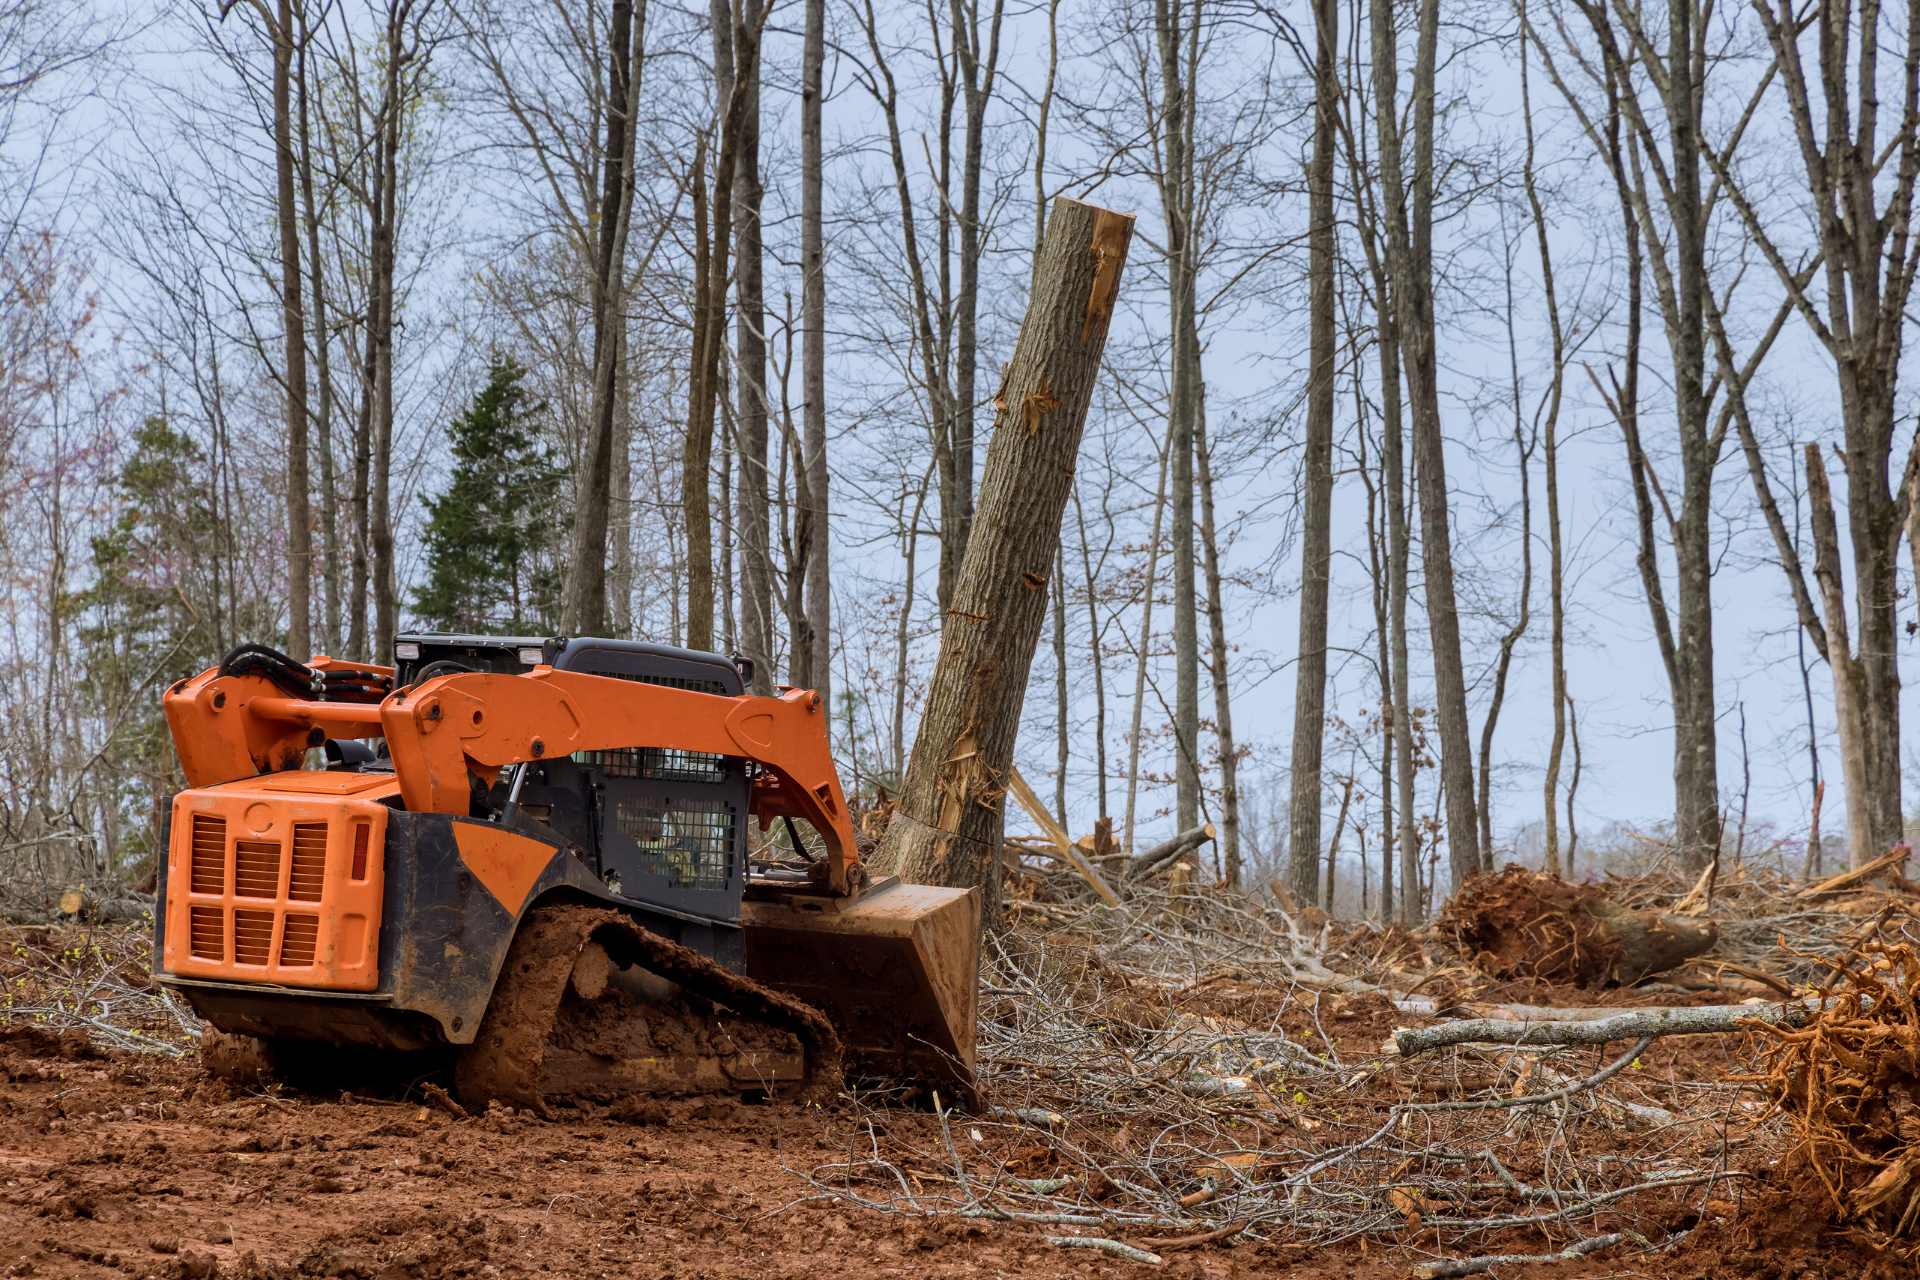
328 318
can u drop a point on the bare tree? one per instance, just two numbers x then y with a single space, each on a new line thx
584 608
1550 449
1316 506
1177 50
813 641
751 409
1217 655
1408 238
1859 190
1655 162
710 267
942 314
1526 438
279 25
1371 224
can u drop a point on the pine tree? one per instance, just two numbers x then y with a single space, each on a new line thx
489 537
156 610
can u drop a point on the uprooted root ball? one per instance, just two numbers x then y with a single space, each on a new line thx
1850 1080
1526 924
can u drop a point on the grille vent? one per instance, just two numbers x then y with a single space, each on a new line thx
309 871
662 764
297 945
209 863
256 869
209 933
252 936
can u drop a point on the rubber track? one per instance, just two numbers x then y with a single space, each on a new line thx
505 1059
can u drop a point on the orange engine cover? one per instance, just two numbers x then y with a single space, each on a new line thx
277 879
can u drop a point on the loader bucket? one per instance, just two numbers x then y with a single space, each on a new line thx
896 971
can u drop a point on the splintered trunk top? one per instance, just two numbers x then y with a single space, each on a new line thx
947 828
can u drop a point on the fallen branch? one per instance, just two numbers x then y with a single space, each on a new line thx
1205 1237
1758 975
1544 1012
1847 879
1708 1020
1113 1247
1474 1266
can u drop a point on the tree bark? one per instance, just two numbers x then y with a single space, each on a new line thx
947 829
584 612
1850 689
1177 51
293 319
696 454
752 525
813 356
1316 471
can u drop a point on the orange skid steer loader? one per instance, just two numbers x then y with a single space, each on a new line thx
533 854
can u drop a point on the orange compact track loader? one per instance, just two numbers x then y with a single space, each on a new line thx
533 855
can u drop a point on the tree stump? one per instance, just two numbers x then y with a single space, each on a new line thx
948 826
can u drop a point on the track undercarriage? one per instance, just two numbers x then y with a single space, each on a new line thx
591 1006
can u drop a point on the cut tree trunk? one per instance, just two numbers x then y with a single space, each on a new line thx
947 828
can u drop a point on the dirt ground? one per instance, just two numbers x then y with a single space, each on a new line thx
145 1166
150 1169
121 1159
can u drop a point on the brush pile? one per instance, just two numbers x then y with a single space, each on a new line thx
92 984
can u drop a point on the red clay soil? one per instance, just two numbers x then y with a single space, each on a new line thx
1785 1229
149 1168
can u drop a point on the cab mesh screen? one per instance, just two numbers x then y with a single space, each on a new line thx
658 763
687 842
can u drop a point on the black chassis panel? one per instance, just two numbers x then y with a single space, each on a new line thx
443 938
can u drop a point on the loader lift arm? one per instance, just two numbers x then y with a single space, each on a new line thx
449 730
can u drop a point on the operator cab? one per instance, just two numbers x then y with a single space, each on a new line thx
656 825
